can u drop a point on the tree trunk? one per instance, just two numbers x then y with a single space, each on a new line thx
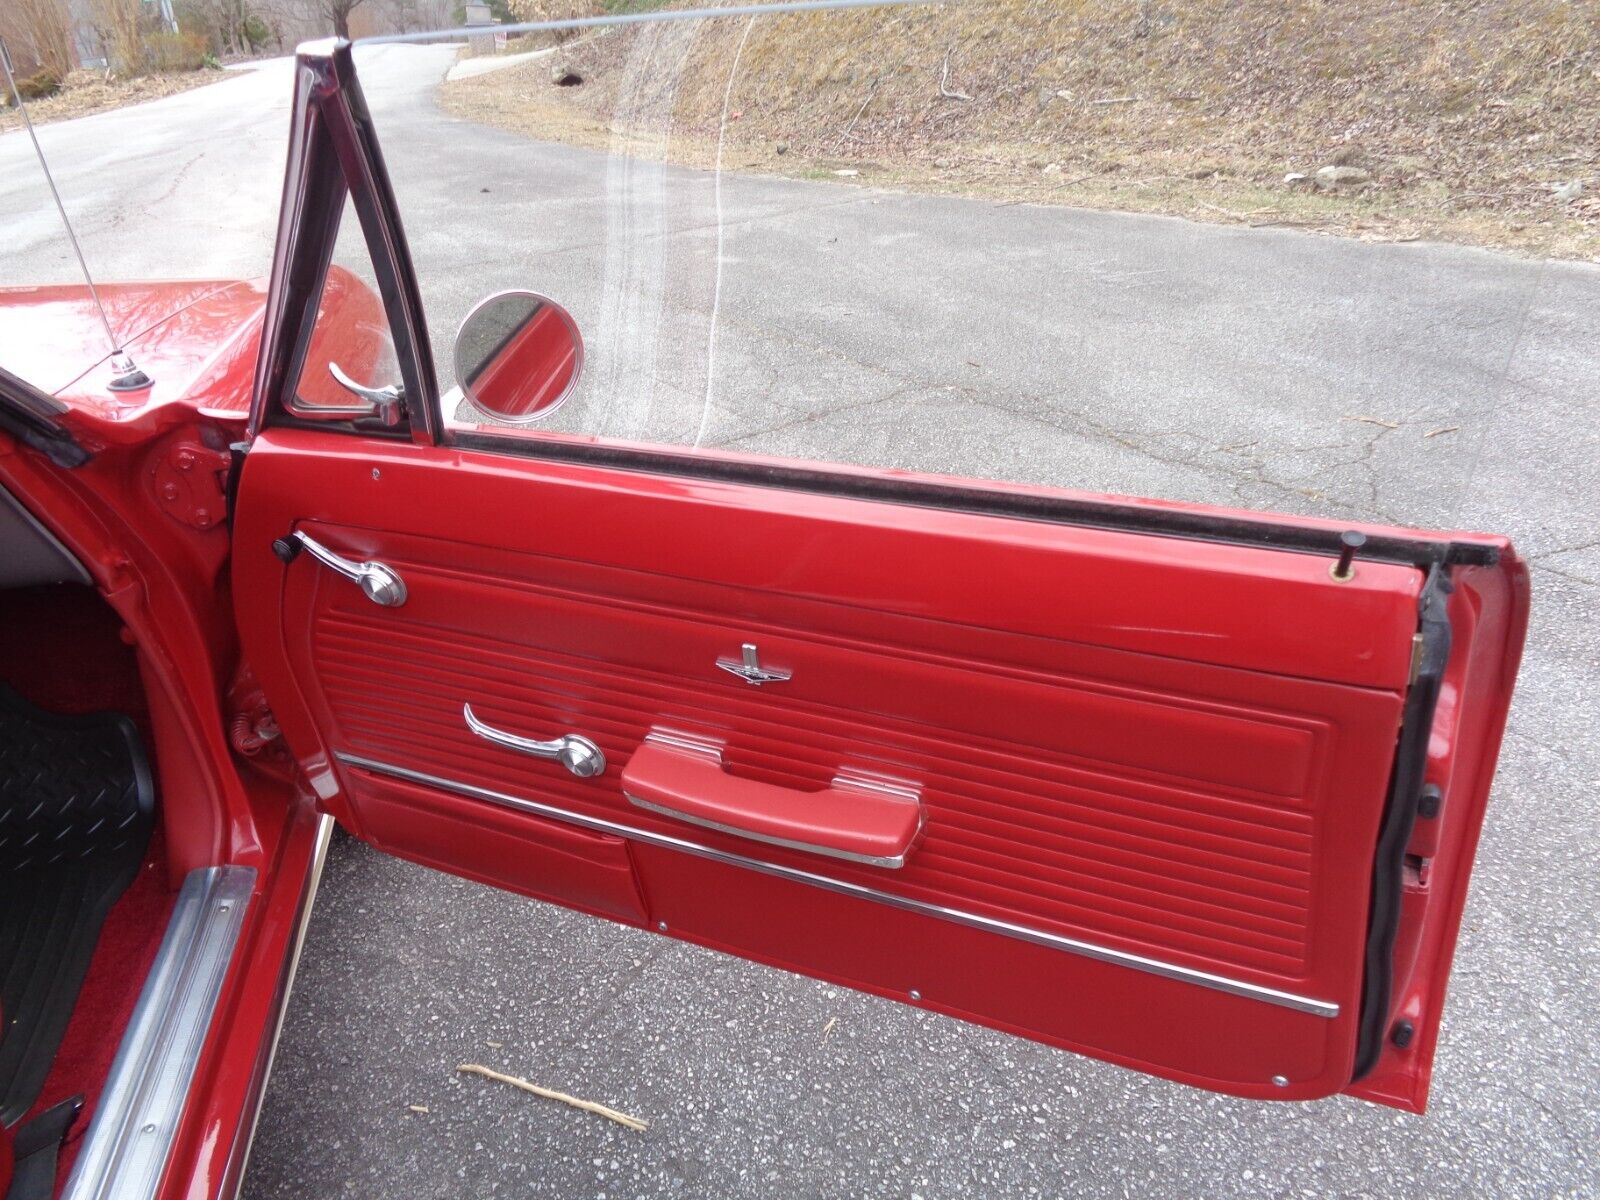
341 23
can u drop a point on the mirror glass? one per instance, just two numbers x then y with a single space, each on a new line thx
518 355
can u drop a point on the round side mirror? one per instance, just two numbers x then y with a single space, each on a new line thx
518 355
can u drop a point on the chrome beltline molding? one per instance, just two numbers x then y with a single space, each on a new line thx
1123 958
131 1136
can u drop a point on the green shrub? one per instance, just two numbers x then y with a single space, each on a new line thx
256 33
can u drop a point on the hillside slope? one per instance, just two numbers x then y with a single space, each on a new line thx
1468 121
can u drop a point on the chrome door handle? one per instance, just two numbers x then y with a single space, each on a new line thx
388 403
572 750
379 582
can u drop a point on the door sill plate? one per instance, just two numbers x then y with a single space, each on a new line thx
133 1129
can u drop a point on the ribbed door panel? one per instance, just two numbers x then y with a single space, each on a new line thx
1069 803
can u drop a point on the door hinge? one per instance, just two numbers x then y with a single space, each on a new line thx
188 479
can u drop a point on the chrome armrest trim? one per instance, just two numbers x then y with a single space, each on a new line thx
848 778
890 862
132 1134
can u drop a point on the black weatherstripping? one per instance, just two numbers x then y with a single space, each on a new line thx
77 805
29 415
1399 816
1261 532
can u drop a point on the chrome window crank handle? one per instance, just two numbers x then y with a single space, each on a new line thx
572 750
379 582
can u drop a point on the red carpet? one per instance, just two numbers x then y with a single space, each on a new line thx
61 648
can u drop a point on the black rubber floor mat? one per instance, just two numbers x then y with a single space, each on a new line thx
76 807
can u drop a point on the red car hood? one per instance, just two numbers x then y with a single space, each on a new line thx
197 339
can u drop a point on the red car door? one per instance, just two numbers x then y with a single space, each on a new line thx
1161 784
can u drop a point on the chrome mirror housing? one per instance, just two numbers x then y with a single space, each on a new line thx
518 356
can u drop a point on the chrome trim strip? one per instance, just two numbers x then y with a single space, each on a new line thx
692 743
1056 941
861 780
137 1119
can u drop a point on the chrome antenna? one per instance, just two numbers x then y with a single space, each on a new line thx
128 377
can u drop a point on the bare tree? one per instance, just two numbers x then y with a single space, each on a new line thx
226 22
403 15
118 24
42 26
338 11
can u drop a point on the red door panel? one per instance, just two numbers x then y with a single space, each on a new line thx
1151 772
547 859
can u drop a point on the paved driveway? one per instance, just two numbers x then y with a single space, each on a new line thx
1120 353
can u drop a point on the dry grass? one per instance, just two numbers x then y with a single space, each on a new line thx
85 92
1467 116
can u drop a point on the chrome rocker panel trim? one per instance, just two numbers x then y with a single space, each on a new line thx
132 1134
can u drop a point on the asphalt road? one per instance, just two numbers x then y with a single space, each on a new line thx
1118 353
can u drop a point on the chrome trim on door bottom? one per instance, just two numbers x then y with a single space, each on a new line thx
1056 941
131 1136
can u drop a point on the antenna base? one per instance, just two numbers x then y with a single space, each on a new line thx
126 376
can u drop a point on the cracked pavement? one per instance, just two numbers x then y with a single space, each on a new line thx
1419 384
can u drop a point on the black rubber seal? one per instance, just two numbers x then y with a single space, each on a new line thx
1262 532
1399 815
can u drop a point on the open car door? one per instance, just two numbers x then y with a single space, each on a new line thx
1172 786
